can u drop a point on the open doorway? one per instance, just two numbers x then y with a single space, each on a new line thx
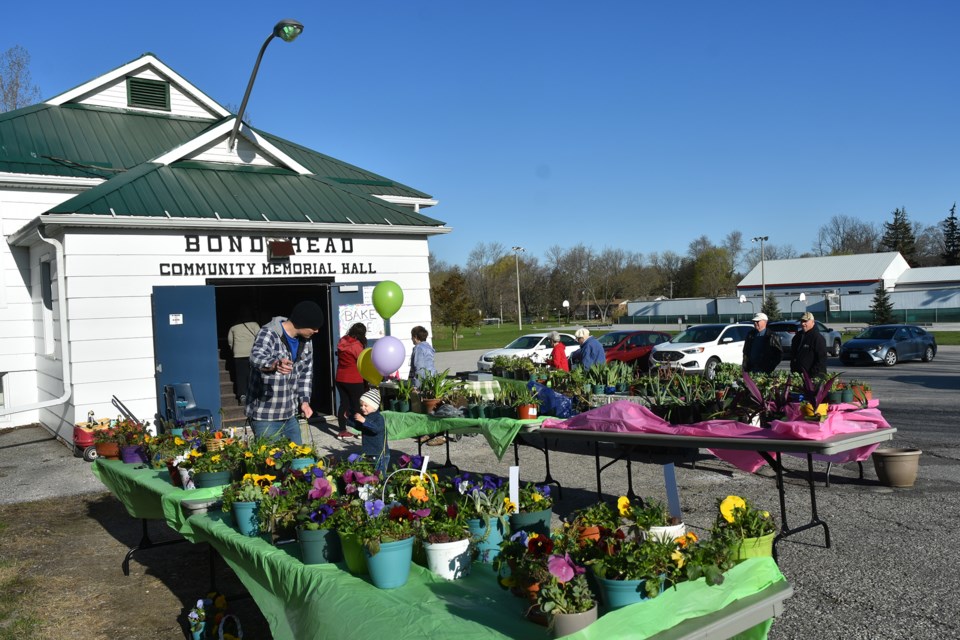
260 300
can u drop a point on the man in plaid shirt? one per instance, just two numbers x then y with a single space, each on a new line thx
281 373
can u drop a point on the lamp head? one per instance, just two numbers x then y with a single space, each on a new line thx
802 297
287 30
743 298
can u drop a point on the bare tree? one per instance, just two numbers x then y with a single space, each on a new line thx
480 281
733 243
929 245
844 235
16 86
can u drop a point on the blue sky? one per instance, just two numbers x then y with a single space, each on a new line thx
628 124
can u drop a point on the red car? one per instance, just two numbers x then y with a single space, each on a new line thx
632 347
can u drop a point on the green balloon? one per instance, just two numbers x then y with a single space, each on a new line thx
387 298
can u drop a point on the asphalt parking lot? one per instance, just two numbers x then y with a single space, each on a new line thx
890 573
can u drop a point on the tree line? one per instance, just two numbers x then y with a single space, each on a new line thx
486 286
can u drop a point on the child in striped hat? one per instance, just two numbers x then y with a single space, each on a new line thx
373 430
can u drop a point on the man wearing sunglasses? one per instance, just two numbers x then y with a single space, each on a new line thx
762 350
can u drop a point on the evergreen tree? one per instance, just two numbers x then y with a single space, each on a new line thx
882 307
771 307
453 305
898 236
951 238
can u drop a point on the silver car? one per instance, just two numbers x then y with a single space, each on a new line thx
786 329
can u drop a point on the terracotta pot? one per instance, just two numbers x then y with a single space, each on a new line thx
527 412
108 450
589 533
430 405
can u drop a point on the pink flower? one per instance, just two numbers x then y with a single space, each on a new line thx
563 568
321 489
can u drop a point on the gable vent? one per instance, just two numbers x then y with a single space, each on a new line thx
148 94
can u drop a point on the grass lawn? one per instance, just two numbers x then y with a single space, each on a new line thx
494 337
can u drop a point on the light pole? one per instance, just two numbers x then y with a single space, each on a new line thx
801 298
743 299
287 30
517 251
763 280
566 305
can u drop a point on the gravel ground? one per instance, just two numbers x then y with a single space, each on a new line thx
888 544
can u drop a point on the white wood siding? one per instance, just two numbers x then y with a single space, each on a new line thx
114 94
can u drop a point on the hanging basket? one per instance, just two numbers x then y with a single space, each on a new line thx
236 622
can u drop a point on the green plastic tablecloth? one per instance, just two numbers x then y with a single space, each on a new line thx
313 602
148 493
498 432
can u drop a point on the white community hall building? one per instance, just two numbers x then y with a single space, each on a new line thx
135 237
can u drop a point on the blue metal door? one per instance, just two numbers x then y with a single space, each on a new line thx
185 343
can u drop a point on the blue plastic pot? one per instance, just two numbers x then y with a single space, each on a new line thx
320 546
247 517
487 534
620 593
390 567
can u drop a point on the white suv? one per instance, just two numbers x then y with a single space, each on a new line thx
701 348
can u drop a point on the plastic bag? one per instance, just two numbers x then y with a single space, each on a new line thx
551 402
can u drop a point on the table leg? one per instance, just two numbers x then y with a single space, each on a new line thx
447 463
548 479
815 521
145 543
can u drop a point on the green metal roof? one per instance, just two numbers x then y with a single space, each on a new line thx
77 140
193 189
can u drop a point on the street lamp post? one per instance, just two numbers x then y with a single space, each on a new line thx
801 298
743 299
763 280
566 305
517 251
287 30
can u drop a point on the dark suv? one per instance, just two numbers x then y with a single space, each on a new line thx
786 329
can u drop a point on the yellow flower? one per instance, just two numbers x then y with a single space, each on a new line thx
262 448
146 437
536 497
729 504
177 440
248 476
511 507
194 453
220 602
304 451
247 454
691 536
215 458
623 505
293 445
273 451
677 557
766 514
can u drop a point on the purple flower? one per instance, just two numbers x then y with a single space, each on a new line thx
275 491
417 462
321 489
421 513
316 472
373 507
348 476
520 536
545 490
489 483
353 457
365 479
561 568
322 513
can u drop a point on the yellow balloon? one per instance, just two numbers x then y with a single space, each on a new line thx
366 368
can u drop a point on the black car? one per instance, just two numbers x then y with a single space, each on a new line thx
888 344
786 329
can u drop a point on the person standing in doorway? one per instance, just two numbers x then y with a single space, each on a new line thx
350 384
762 350
240 338
809 349
281 374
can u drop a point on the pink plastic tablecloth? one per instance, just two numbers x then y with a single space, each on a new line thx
627 417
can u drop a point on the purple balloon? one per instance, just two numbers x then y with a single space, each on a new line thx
388 355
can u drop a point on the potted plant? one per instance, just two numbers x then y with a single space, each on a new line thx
485 505
500 365
752 530
210 468
404 390
107 444
521 564
591 522
526 402
565 596
534 511
443 532
434 387
316 536
597 376
629 570
357 482
131 438
650 519
242 500
862 392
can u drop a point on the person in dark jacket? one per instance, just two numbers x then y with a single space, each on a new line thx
374 430
809 349
762 350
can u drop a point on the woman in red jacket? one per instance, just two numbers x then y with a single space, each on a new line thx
558 357
350 384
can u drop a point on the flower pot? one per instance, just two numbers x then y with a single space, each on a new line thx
597 389
246 515
392 404
319 546
301 463
174 473
108 450
487 534
449 560
610 389
207 479
847 394
531 522
620 593
862 395
590 532
668 533
835 397
565 624
621 388
761 547
390 567
430 405
200 633
353 555
132 454
527 412
403 406
896 467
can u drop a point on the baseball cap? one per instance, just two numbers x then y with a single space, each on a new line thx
806 316
760 316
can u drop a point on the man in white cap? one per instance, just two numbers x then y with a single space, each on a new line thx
762 350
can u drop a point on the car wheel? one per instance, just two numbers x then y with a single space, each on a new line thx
836 349
710 370
928 354
891 358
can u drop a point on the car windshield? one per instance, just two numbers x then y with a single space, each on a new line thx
878 333
525 342
610 339
698 334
